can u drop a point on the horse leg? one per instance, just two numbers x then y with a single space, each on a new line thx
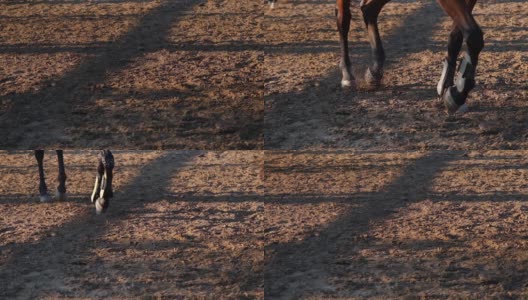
43 189
61 188
371 9
98 178
454 44
103 182
344 16
455 96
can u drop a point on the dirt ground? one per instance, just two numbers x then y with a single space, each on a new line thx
306 108
279 224
132 74
385 225
384 216
185 224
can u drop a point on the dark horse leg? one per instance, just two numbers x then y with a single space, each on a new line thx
454 44
371 10
102 191
454 92
61 189
43 189
343 16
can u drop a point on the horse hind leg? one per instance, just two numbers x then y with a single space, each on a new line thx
455 96
371 10
43 189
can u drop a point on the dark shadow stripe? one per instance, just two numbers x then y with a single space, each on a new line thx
148 36
379 205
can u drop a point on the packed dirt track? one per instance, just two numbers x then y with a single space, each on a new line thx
181 225
386 225
182 74
305 107
274 224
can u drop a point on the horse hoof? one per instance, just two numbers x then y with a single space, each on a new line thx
371 79
100 206
45 198
452 106
60 196
347 83
463 109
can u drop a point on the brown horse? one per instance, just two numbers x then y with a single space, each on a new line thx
102 191
465 29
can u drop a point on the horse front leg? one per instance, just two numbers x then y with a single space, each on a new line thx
344 16
371 10
454 44
61 188
43 189
103 191
98 179
455 95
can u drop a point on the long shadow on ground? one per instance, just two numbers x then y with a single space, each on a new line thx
340 250
69 249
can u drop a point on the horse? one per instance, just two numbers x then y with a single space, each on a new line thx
102 191
452 91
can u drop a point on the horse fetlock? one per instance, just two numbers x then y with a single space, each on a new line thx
346 83
101 205
373 78
453 99
348 79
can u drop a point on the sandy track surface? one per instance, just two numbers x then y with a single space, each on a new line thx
345 225
182 224
306 108
182 74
